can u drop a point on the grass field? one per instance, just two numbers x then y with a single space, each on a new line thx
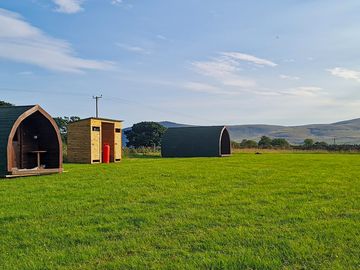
270 211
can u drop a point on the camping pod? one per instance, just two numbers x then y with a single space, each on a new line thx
90 139
30 142
213 141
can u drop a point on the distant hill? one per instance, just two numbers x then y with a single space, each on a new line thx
347 132
343 132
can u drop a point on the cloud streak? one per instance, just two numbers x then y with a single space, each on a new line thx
24 43
131 48
120 3
345 73
303 91
249 58
226 68
226 72
68 6
202 87
288 77
116 2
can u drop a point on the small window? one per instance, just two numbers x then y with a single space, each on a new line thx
117 130
118 159
95 128
96 160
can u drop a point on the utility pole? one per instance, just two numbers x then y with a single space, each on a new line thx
97 104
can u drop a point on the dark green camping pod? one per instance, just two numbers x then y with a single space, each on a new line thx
211 141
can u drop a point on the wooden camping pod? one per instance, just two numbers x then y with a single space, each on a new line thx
30 142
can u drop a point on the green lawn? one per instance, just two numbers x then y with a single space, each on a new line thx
270 211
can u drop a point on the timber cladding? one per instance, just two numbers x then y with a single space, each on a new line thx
79 143
86 139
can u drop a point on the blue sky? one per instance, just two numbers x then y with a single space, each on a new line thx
194 61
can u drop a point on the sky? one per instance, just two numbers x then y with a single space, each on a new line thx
201 62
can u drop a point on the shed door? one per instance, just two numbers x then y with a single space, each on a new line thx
95 144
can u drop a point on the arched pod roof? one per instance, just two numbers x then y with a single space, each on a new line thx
195 142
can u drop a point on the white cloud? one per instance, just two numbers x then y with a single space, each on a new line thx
226 72
212 89
68 6
287 77
26 73
304 91
24 43
121 3
239 82
289 60
201 87
216 68
131 48
344 73
249 58
161 37
226 68
117 2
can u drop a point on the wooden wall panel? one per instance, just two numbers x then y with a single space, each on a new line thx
79 142
96 142
118 142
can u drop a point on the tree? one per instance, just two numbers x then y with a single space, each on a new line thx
145 134
265 142
280 143
235 145
63 123
321 145
5 104
308 143
248 144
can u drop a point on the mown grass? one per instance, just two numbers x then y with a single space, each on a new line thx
270 211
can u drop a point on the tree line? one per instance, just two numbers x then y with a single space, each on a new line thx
264 143
280 143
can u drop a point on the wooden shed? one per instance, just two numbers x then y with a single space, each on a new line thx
87 137
30 142
213 141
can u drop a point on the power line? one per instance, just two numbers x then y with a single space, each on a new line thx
156 108
108 98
